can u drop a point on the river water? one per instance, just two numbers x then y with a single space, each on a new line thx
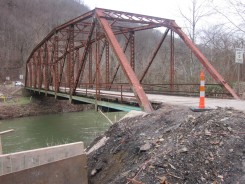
50 130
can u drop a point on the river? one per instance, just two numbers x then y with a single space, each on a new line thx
50 130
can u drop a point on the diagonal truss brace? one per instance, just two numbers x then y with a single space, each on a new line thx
85 53
213 72
134 82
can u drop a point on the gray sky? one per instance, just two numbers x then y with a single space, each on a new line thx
160 8
171 9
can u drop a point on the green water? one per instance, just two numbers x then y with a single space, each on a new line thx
50 130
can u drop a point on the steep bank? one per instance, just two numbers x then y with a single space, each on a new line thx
46 105
173 145
34 106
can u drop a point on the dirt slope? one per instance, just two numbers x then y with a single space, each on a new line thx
173 145
37 105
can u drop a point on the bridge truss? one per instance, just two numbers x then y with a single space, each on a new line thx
70 55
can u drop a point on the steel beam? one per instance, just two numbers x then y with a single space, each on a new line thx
133 17
151 59
41 57
62 64
90 69
84 56
107 58
46 61
213 72
56 74
34 71
70 63
30 69
137 88
171 77
38 69
118 65
97 57
100 57
132 54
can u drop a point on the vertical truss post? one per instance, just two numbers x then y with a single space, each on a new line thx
30 73
35 70
46 60
97 64
90 67
100 57
76 62
132 50
70 64
84 56
42 58
62 63
153 55
137 88
56 80
38 69
118 65
107 65
172 61
26 76
213 72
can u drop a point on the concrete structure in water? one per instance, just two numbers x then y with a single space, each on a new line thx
52 165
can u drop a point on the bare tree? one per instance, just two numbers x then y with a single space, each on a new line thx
233 12
196 12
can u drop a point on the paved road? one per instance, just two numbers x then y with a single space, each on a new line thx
194 101
178 100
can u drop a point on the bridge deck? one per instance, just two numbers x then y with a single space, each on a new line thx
117 106
178 100
129 98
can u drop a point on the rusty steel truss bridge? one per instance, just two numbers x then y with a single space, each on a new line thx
68 61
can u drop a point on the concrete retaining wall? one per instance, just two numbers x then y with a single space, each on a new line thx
64 161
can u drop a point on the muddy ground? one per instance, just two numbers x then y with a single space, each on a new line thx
173 145
38 105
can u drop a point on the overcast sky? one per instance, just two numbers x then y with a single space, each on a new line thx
160 8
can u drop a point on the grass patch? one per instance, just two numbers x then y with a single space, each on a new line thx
17 101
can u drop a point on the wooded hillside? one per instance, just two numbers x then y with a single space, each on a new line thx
24 24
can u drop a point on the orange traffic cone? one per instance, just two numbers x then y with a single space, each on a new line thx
201 106
202 91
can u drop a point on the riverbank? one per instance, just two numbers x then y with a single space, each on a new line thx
16 105
172 145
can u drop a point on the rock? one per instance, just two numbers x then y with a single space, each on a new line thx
161 140
152 167
224 119
229 128
145 147
93 172
183 150
163 180
191 118
207 132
